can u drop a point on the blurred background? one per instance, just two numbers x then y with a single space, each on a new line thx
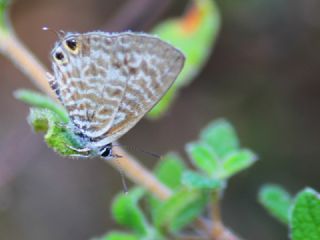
263 76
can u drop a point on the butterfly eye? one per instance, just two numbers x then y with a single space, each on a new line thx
72 44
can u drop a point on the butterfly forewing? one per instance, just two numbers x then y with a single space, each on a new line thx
153 66
113 80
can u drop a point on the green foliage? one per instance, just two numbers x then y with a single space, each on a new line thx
193 179
181 208
57 136
126 211
191 190
277 201
50 117
301 214
198 27
41 101
204 157
118 236
221 136
236 162
305 216
217 153
3 16
170 169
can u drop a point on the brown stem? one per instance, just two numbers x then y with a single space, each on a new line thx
25 61
11 47
218 230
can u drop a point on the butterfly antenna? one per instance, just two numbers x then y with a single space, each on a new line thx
60 34
157 156
123 180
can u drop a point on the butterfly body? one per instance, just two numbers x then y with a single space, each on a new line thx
108 81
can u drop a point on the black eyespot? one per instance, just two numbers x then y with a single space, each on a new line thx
59 56
72 44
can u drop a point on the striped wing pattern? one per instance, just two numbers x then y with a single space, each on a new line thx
113 81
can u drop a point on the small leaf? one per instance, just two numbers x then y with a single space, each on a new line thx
4 5
236 162
194 34
126 211
57 136
118 236
305 216
221 136
39 100
189 213
186 202
194 180
169 170
203 157
277 201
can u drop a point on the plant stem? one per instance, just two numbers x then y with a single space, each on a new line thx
25 61
218 230
217 227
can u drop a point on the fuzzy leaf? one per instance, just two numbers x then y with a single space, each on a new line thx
118 236
195 180
169 170
194 34
221 136
189 213
126 211
236 162
277 201
39 100
203 157
305 216
180 209
4 5
57 136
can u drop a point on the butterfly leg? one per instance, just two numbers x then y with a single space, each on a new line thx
80 156
78 150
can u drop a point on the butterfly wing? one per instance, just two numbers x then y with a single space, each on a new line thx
151 66
113 80
90 82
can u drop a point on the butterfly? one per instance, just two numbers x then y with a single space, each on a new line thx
108 81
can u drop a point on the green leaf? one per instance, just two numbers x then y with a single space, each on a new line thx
203 157
180 209
4 5
190 213
277 201
118 236
126 211
305 216
57 136
236 162
169 170
194 180
39 100
194 34
221 136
